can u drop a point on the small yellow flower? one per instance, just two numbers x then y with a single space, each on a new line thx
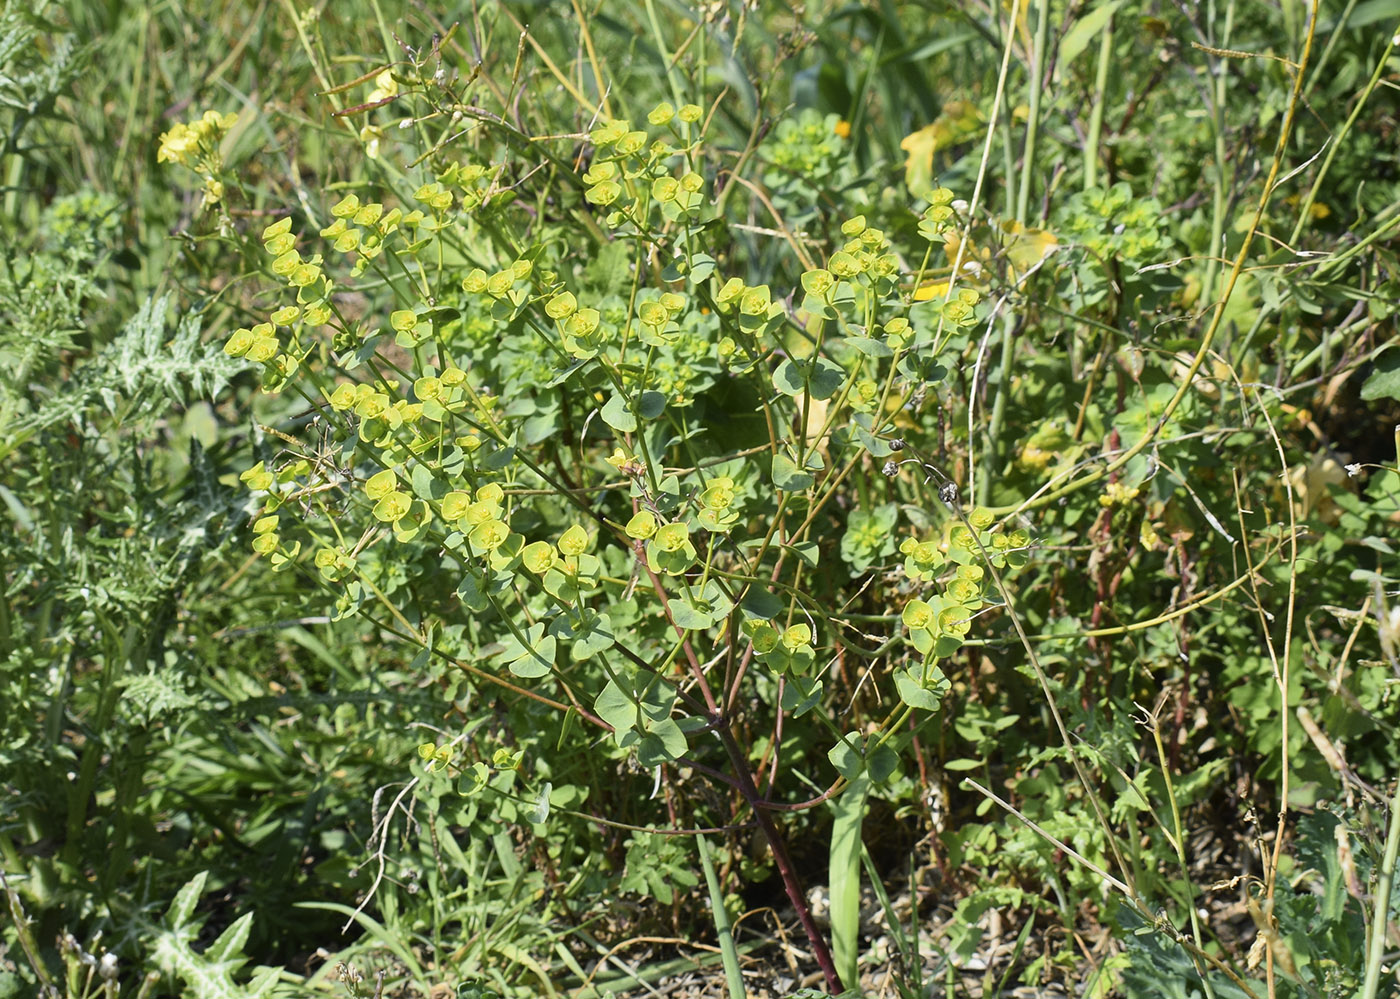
1117 494
371 135
178 144
624 463
842 129
384 86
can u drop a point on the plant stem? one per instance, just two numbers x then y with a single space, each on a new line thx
1305 209
1008 327
1338 30
995 448
1380 920
1091 144
792 881
1042 30
1179 842
1218 313
25 935
1217 217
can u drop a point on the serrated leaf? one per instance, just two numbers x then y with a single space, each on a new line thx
261 983
186 900
229 945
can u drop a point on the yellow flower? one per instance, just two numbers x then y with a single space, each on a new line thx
371 135
1117 494
624 463
384 86
178 144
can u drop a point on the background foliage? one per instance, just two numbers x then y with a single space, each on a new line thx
1171 367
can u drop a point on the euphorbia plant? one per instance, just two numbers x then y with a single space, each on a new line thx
577 457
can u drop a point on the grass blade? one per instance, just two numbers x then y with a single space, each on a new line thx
844 879
732 977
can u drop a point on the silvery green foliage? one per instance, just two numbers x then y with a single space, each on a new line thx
33 74
160 692
144 365
210 974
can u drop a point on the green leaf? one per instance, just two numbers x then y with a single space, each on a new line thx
843 877
469 592
533 659
650 405
801 694
664 742
917 691
826 379
702 265
230 943
822 378
186 900
878 447
962 765
845 756
617 415
761 603
616 708
426 486
807 551
869 346
1373 11
689 616
1078 37
1384 382
788 477
788 378
540 813
882 762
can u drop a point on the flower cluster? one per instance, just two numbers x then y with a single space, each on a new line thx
1112 224
808 146
668 546
788 651
275 488
937 625
632 177
195 144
